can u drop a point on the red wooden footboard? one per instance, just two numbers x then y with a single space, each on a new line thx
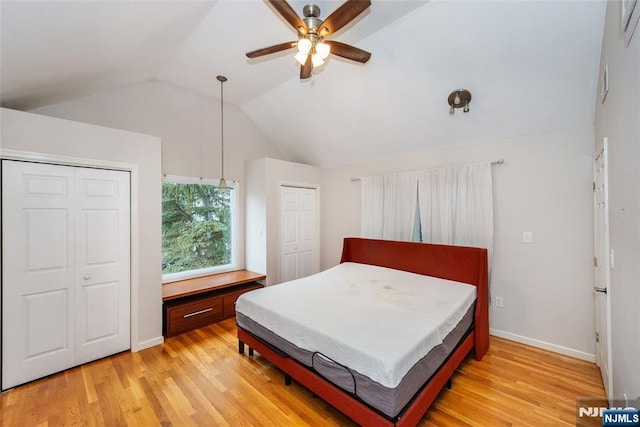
462 264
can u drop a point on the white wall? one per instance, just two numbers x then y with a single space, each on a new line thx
264 179
618 119
26 132
544 187
189 125
256 217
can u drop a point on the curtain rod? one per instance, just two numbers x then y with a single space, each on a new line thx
495 162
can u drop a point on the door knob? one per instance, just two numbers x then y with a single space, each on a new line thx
86 277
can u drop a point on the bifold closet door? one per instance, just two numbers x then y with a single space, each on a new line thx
65 267
298 225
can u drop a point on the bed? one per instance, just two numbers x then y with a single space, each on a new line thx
374 360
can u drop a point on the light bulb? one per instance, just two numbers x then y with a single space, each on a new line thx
452 110
456 100
323 49
466 108
301 57
304 46
317 60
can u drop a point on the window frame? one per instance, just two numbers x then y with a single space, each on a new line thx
235 218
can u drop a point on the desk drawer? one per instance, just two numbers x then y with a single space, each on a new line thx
182 317
229 300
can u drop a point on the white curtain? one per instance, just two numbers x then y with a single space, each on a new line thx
456 206
389 206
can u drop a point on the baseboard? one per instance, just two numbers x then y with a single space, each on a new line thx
147 344
544 345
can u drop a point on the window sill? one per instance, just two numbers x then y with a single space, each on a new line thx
184 288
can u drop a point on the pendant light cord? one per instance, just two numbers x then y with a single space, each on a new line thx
222 79
222 123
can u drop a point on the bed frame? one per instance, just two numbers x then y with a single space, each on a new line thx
462 264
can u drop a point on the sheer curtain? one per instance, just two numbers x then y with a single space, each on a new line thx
456 206
389 206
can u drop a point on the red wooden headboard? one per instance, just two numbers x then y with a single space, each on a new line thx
459 263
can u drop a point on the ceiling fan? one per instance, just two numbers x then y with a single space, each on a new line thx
312 46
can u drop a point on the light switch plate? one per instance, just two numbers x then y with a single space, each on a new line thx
527 237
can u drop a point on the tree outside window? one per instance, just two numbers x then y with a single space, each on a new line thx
196 227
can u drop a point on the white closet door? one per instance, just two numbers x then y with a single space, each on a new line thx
65 279
38 274
299 244
102 263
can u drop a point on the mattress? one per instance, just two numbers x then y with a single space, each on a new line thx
376 332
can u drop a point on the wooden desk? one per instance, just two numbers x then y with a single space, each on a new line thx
194 303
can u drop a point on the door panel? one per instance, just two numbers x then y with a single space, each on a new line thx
65 275
602 284
46 225
45 321
102 263
307 263
37 271
101 236
289 234
100 312
299 245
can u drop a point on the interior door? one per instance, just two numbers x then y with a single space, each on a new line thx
102 263
299 245
38 291
65 276
602 284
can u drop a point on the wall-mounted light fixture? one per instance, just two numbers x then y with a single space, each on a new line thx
459 98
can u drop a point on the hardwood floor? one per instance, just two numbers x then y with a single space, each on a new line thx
198 378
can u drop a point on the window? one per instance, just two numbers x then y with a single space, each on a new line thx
198 228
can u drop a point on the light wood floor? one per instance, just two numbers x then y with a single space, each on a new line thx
198 378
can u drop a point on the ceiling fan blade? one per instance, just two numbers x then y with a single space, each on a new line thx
271 49
305 70
286 11
347 51
343 15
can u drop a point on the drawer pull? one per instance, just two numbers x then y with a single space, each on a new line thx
195 313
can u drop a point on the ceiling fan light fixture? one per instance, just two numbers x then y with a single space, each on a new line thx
304 46
312 50
317 60
323 49
301 57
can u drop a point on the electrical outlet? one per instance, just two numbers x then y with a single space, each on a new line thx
499 302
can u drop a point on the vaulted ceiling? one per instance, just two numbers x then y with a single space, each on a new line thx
531 66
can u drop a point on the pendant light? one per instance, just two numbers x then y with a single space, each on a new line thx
222 185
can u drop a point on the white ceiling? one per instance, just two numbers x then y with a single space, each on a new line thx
531 66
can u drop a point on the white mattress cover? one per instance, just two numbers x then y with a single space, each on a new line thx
374 320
